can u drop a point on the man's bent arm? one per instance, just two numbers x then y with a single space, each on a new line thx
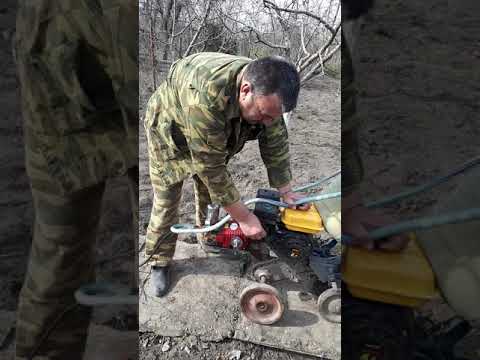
274 149
238 211
208 150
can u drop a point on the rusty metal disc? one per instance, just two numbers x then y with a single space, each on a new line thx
261 304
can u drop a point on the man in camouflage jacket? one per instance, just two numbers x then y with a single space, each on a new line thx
205 111
78 76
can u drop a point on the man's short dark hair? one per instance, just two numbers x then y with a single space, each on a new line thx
274 75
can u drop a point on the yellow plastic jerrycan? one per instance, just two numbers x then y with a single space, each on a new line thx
402 278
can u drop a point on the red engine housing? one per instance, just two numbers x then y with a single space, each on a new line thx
230 232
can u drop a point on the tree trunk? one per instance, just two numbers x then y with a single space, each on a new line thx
152 50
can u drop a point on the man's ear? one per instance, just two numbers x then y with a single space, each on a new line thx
245 88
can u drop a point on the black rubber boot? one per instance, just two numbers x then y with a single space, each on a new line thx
160 280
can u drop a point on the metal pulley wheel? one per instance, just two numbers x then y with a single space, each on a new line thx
261 304
330 305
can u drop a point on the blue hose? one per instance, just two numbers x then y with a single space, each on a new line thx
434 182
420 224
316 183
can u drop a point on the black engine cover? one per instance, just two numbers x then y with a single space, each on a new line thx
266 213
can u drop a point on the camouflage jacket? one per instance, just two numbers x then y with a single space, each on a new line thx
78 71
193 125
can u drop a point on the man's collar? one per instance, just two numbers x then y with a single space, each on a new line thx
233 109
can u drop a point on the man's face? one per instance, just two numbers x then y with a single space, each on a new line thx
258 109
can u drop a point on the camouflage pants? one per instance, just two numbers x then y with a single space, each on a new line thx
61 260
160 241
78 73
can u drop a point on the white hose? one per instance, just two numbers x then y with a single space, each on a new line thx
189 228
105 294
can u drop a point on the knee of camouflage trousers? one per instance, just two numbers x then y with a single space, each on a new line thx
160 241
61 260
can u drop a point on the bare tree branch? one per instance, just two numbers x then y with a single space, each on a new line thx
172 48
321 63
332 38
302 38
260 39
211 38
183 30
200 28
152 45
312 71
296 29
302 56
221 18
271 5
307 61
269 44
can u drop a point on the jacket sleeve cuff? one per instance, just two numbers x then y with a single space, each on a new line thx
220 186
226 196
279 176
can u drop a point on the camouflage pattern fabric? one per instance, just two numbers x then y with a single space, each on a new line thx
352 169
61 260
160 241
193 128
78 71
78 74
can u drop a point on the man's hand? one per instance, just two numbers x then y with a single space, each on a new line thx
357 221
290 197
249 223
252 228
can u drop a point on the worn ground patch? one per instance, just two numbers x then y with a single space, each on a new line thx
204 302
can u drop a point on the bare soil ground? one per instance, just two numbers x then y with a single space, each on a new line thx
419 99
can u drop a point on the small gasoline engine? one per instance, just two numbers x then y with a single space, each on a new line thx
232 237
290 236
289 230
